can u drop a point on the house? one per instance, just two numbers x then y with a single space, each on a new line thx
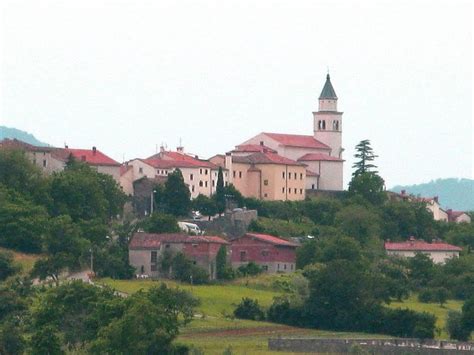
146 249
51 159
458 216
321 152
272 253
198 174
266 175
43 157
438 251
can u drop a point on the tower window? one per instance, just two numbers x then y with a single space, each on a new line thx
324 124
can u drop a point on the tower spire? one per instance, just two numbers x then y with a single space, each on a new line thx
328 90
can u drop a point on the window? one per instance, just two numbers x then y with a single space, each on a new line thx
296 190
301 191
265 195
289 176
200 171
278 267
195 245
192 188
265 182
291 266
312 186
213 183
301 176
284 266
44 163
154 256
205 183
265 267
191 177
200 183
205 171
324 124
233 173
240 174
153 267
265 252
226 183
167 246
289 190
283 190
243 255
283 175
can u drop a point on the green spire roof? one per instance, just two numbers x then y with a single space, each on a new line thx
328 91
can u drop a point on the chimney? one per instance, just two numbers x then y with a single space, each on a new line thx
404 192
66 146
261 143
180 149
162 148
94 150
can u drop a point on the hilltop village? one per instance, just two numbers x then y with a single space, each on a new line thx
91 250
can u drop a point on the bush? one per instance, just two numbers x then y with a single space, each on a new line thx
249 309
251 269
184 270
406 323
281 311
438 294
7 268
455 328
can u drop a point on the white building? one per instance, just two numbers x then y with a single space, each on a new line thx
438 251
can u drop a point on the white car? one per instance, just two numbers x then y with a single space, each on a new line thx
190 228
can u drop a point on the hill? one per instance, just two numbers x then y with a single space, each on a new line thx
12 133
457 194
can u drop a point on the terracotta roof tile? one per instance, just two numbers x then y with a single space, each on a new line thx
272 239
89 156
177 160
264 158
296 140
420 245
253 148
141 240
318 157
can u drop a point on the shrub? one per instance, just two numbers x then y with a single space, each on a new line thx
250 269
455 328
249 309
281 311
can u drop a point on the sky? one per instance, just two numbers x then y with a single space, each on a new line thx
129 76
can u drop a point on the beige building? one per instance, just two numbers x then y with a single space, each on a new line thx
438 251
198 174
458 216
321 152
265 175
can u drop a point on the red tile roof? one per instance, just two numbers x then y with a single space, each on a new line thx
89 156
454 215
177 160
271 239
141 240
420 245
296 140
17 144
265 158
318 157
253 148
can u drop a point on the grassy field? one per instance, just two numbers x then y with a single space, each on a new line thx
213 331
433 308
25 261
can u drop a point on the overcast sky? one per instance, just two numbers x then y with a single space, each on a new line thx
127 76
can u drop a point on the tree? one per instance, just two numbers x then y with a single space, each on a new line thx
219 196
467 320
422 270
223 270
207 206
176 195
46 342
365 154
358 222
455 328
370 186
249 309
7 268
161 223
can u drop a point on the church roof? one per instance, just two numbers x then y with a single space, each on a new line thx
328 91
318 157
297 140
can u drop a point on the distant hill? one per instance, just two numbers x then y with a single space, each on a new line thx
457 194
11 133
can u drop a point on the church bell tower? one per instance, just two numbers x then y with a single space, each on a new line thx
328 120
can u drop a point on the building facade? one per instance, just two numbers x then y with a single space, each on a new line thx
146 250
438 251
273 254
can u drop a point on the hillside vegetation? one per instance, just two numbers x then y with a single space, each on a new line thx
13 133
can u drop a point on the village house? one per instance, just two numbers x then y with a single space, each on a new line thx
198 174
273 254
265 174
458 216
438 251
146 249
51 159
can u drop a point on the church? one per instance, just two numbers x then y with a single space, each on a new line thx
277 166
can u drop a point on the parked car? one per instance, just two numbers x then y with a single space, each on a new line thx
190 228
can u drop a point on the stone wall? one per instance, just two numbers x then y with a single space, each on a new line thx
232 224
373 346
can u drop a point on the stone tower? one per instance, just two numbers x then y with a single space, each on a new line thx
328 121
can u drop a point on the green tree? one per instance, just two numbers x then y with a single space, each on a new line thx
161 223
370 186
12 341
422 270
467 320
223 270
7 268
365 154
45 341
249 309
176 195
219 196
455 328
358 222
207 206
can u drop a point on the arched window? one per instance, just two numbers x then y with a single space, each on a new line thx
324 124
